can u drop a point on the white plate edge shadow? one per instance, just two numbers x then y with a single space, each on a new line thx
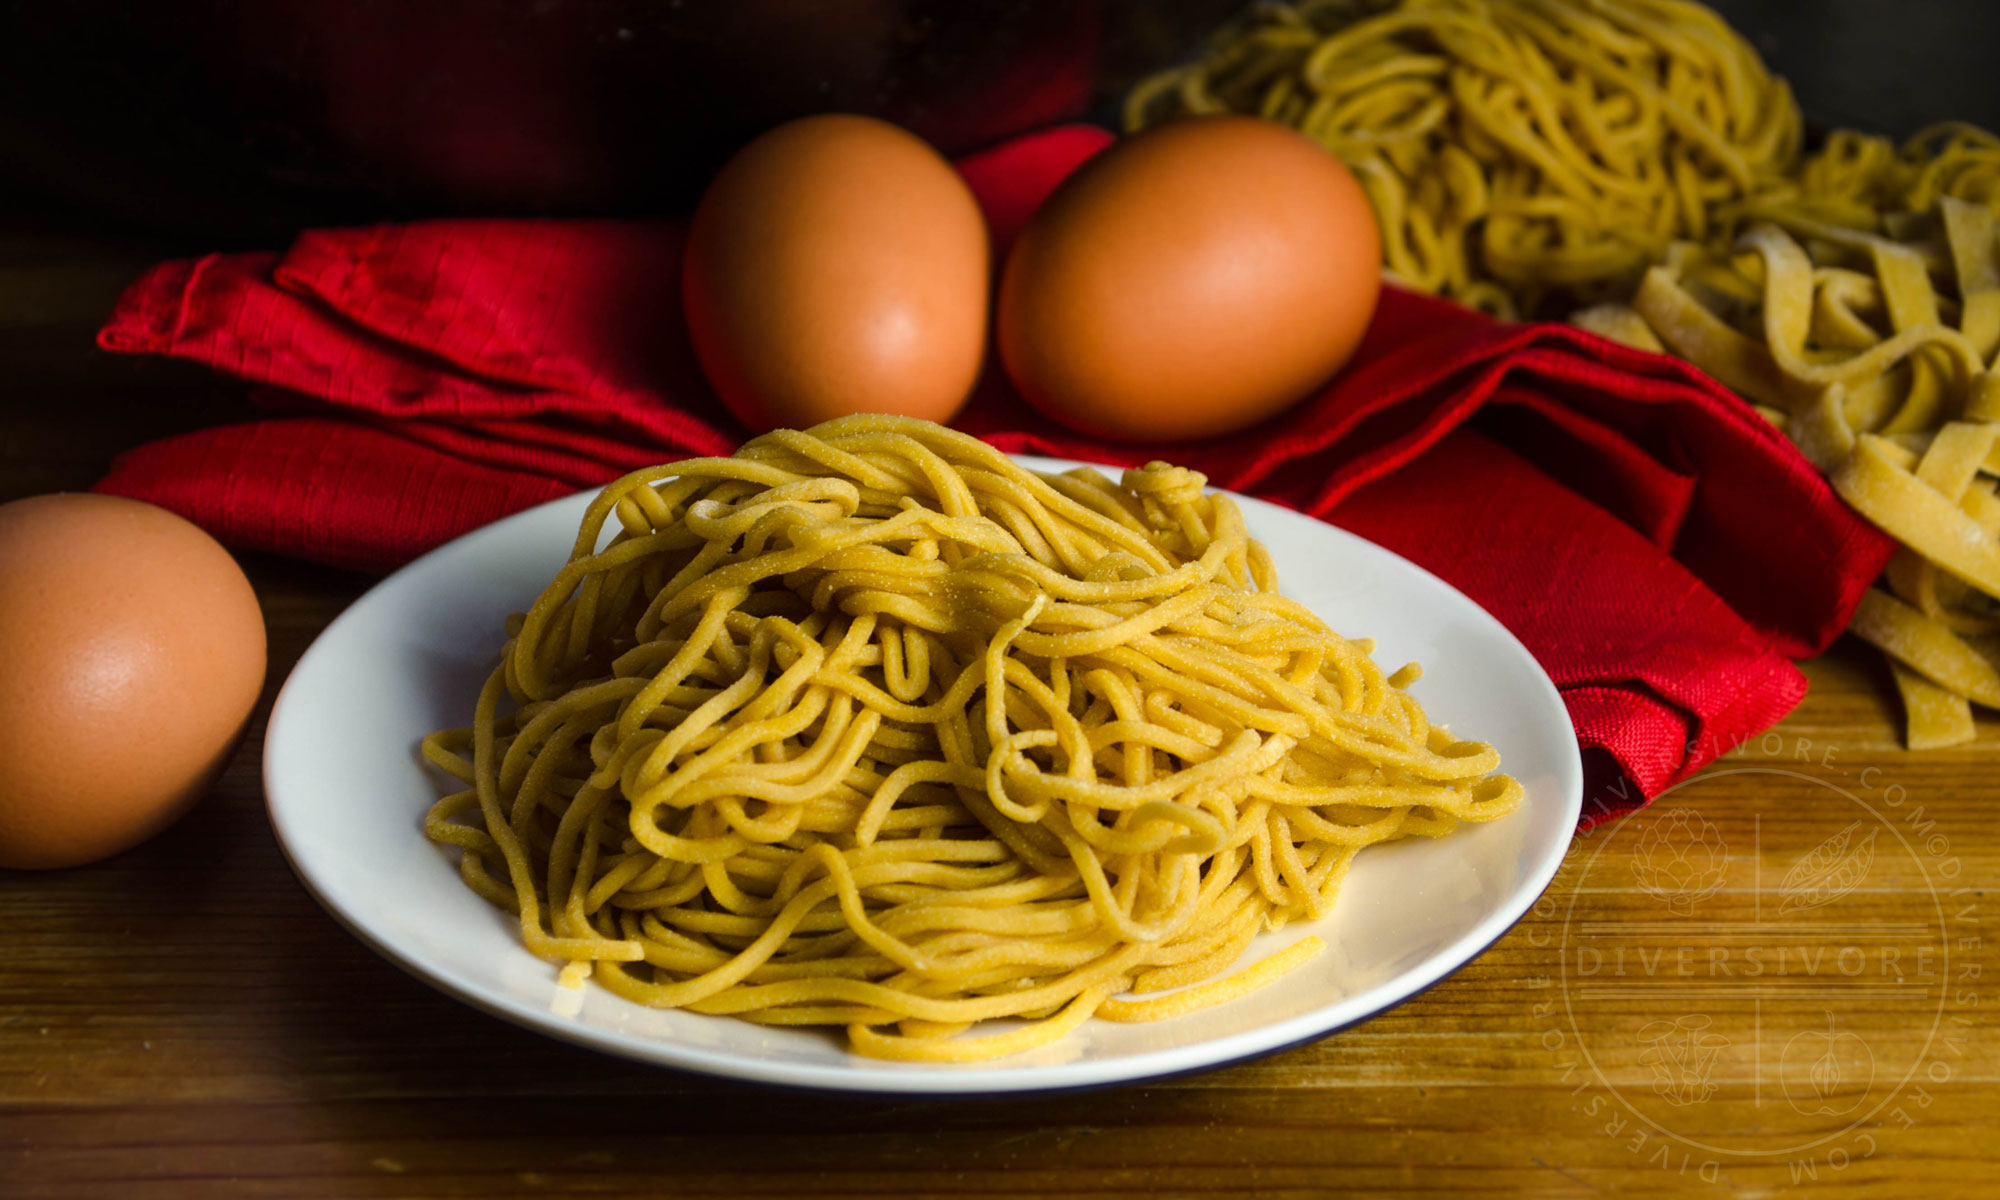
868 1075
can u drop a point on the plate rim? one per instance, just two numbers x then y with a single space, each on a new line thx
866 1076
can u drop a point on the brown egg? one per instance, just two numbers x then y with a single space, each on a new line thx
837 265
1190 281
131 653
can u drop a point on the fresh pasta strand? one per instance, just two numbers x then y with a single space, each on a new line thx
869 727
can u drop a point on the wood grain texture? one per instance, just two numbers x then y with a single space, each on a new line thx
184 1021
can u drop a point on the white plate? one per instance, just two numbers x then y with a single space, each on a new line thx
347 795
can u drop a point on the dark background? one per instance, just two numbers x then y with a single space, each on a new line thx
235 122
1888 66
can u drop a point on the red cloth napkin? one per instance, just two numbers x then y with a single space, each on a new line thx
1659 548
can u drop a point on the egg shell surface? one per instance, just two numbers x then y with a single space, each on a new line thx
1190 281
132 650
837 265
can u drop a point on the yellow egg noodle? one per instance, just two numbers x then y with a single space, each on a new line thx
1517 152
868 726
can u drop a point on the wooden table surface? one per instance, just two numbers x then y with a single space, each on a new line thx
1776 975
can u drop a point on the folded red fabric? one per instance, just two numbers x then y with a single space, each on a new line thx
1660 548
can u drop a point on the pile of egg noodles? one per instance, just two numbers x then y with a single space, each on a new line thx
1516 151
868 726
